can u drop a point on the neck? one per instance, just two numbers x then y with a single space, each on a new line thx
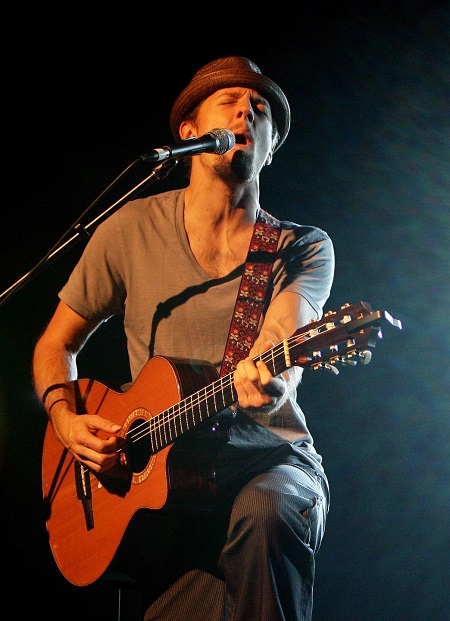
216 203
219 227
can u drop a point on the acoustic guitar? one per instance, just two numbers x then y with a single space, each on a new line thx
87 514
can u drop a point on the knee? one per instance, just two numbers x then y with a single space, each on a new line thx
261 508
270 514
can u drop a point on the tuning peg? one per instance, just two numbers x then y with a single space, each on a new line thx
366 356
348 361
327 367
331 367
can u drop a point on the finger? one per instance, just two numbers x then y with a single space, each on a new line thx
248 371
94 459
98 423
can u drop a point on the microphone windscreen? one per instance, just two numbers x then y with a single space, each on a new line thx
225 140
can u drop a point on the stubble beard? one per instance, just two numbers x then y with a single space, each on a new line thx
241 169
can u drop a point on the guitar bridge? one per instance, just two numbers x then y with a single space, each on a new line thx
84 492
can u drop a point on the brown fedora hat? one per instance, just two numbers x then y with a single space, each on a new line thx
225 72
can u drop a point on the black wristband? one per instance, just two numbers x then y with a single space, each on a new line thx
54 403
49 390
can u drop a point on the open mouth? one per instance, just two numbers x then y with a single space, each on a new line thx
241 139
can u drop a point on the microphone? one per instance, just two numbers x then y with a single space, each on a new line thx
215 141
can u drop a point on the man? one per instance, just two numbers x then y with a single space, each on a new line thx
172 264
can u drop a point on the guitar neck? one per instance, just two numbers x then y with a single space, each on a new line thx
337 338
170 424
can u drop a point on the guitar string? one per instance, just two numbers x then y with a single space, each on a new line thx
199 398
202 396
163 419
144 429
227 381
178 413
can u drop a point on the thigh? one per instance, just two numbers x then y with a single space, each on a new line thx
290 493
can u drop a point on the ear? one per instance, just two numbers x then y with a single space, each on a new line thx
186 130
268 159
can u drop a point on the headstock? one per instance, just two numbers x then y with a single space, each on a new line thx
339 338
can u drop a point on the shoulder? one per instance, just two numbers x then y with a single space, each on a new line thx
305 240
139 213
304 233
151 204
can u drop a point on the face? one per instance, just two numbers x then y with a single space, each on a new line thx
248 115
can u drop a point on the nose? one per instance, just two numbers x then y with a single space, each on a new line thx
246 109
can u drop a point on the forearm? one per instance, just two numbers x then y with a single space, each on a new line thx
54 357
53 369
256 387
91 438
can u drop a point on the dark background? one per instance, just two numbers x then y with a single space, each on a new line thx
367 159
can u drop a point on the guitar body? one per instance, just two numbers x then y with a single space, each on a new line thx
87 515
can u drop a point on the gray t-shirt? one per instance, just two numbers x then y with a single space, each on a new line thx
138 264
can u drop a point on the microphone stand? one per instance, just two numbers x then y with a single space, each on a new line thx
158 173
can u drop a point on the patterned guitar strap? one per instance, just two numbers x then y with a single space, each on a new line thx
252 290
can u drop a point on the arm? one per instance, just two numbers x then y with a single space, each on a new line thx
255 386
54 367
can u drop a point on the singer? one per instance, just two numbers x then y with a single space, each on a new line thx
221 513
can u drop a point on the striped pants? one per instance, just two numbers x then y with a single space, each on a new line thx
252 563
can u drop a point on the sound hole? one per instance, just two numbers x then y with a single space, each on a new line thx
138 445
